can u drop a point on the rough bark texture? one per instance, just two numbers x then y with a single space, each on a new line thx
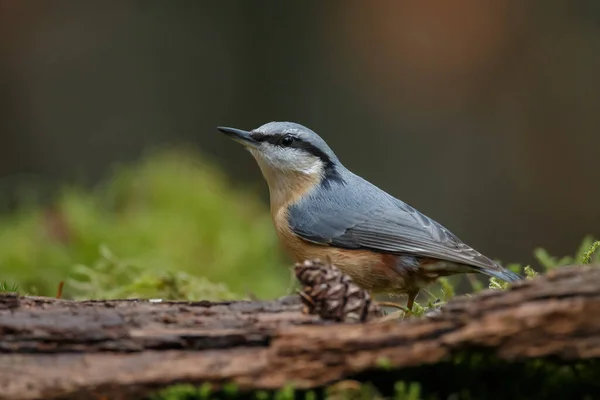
122 349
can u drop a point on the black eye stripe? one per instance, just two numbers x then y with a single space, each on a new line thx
298 143
273 139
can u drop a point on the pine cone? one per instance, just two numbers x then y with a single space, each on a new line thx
331 294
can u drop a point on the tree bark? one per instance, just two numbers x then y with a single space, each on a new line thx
52 349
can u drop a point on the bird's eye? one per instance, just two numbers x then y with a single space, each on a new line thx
287 140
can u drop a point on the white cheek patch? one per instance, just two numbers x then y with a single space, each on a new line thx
315 168
286 159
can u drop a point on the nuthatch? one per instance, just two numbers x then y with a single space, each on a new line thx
322 210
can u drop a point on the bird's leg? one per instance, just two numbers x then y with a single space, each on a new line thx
412 295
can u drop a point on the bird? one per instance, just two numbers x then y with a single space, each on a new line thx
322 210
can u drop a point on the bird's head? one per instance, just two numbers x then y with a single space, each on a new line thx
288 152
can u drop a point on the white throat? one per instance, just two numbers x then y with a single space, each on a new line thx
287 180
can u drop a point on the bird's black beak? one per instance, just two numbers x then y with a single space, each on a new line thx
240 136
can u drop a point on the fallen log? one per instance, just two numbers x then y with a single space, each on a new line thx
51 349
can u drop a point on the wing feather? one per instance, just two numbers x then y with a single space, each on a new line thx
377 221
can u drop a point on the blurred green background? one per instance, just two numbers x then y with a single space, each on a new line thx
170 226
483 115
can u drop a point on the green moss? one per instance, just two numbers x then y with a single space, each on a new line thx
404 391
286 393
6 287
529 272
170 219
180 392
585 254
588 256
498 284
230 390
384 363
310 395
261 395
205 390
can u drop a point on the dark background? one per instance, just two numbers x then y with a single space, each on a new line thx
484 115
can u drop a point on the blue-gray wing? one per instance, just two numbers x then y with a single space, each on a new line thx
362 216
